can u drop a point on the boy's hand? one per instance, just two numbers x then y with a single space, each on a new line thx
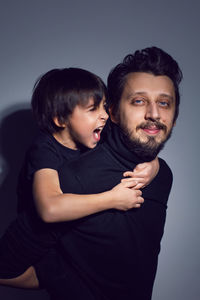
126 196
143 173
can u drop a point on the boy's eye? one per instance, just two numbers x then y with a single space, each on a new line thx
105 105
92 108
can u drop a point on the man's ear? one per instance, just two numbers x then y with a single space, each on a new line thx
58 123
112 117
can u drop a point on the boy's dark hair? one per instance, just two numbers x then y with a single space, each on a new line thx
151 60
56 93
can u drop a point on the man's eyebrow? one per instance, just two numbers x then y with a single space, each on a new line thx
167 96
132 94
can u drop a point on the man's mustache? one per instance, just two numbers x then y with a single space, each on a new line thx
149 124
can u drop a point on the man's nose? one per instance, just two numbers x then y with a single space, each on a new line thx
152 112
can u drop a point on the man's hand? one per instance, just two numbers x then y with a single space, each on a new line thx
143 173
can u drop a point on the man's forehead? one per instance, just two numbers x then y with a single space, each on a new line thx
142 83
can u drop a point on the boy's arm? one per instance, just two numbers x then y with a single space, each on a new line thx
143 173
54 206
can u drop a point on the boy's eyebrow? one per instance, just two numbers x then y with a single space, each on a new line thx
88 105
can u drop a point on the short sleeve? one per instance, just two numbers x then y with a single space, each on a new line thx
43 154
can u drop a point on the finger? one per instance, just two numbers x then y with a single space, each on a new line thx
139 186
141 175
137 205
128 174
129 179
138 193
129 183
139 180
140 200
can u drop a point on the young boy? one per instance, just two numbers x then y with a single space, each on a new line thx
69 106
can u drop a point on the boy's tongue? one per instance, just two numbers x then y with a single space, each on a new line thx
96 135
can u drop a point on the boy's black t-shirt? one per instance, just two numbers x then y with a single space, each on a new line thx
28 238
45 152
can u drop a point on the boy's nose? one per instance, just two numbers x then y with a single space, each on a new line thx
103 114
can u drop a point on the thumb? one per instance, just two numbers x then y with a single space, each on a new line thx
128 174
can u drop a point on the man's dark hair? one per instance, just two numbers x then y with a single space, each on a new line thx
151 60
56 94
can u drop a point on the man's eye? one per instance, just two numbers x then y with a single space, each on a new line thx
164 103
137 101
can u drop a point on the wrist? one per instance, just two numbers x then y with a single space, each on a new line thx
108 199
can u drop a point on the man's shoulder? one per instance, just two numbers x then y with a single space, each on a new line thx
85 160
161 184
165 170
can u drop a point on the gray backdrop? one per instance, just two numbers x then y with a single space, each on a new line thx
39 35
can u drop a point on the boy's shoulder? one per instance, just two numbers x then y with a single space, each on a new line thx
46 152
45 144
41 140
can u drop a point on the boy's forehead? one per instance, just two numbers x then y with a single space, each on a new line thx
92 101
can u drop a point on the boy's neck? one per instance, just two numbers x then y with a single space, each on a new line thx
64 138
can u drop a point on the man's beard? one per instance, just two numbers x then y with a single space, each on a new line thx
145 150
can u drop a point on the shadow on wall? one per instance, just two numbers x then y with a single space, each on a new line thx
17 131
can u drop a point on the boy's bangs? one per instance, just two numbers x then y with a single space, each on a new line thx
96 95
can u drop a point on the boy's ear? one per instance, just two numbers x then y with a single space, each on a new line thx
58 123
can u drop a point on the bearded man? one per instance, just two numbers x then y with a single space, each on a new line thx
113 255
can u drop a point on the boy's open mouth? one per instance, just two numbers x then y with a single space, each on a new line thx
97 133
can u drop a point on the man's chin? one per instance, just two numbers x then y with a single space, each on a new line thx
147 149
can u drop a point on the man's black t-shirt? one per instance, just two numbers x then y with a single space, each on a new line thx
114 254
